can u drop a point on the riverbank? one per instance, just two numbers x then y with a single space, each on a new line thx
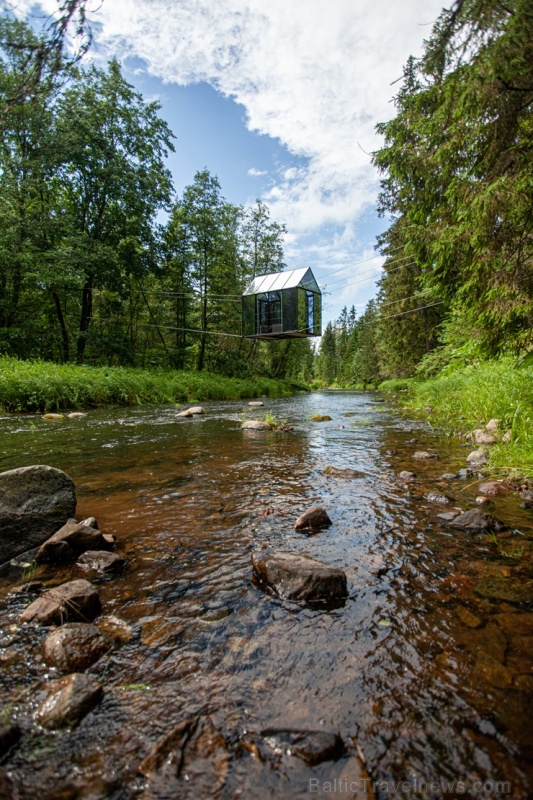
466 400
44 386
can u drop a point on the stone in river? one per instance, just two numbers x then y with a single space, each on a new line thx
405 475
78 536
312 519
347 473
185 414
256 403
256 425
313 747
103 562
71 602
423 454
75 646
448 476
477 520
493 488
34 502
297 576
477 458
69 700
437 497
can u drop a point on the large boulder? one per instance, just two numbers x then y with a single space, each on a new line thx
75 601
297 576
34 502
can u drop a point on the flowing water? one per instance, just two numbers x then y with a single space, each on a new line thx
425 672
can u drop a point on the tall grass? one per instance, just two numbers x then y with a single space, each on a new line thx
468 399
43 386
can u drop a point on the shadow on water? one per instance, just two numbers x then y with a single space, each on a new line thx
425 672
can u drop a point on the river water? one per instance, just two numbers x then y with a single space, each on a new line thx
425 672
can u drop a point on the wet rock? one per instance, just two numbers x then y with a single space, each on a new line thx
465 473
493 488
51 415
196 410
103 562
448 516
189 762
477 458
313 747
481 500
491 671
468 618
499 587
405 475
75 646
34 502
320 418
299 577
71 602
184 414
76 415
516 624
346 473
423 455
493 425
117 629
482 436
9 736
437 497
256 425
69 700
256 404
78 536
448 476
314 518
476 520
527 498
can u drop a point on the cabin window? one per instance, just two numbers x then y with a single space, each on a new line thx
310 303
269 312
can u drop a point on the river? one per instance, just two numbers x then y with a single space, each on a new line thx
425 672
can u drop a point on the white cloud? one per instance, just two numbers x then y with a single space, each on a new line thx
315 75
253 172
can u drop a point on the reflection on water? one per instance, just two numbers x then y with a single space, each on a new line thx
427 667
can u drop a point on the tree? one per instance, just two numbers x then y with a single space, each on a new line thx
261 241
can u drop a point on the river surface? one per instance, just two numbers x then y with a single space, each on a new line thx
425 672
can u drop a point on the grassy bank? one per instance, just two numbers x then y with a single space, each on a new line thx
43 386
469 398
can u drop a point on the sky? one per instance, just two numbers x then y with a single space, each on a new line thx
279 99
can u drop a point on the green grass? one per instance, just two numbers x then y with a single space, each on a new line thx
44 386
469 398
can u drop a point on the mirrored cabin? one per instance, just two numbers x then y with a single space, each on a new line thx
282 305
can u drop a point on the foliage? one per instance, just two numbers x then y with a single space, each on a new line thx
43 386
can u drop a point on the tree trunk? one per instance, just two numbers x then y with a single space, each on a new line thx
85 320
62 325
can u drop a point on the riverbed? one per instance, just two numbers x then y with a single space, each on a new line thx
425 672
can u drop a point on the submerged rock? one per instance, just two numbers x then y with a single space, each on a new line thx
34 502
75 646
256 425
321 418
423 454
405 475
313 747
476 520
69 700
437 497
71 602
103 562
499 587
448 476
347 473
296 576
312 519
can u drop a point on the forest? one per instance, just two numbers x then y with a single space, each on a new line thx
90 273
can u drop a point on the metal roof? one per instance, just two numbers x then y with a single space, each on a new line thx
283 280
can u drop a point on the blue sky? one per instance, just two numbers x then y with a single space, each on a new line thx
280 101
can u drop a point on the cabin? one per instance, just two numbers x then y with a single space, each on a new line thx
282 305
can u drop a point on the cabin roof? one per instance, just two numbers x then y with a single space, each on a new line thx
289 279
